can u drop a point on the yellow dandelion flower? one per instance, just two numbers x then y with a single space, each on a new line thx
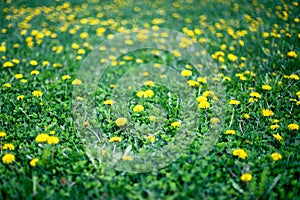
276 156
43 137
292 54
76 82
108 102
18 76
293 127
193 83
274 126
2 134
202 79
140 94
266 87
138 108
246 116
255 94
127 158
37 93
9 146
66 77
230 132
33 162
115 139
204 104
79 98
52 140
278 137
294 76
33 63
8 158
208 93
7 85
267 112
151 138
232 57
121 122
241 153
175 124
234 102
201 99
34 72
152 118
246 177
148 93
149 83
186 73
214 120
8 64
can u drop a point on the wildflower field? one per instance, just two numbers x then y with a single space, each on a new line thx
149 99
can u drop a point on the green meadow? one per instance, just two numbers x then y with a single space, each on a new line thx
224 128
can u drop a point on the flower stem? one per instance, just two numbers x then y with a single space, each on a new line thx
232 116
52 152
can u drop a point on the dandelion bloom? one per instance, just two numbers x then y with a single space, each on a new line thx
208 93
203 104
175 124
2 134
76 82
246 116
266 87
230 132
193 83
115 139
201 99
9 146
127 158
234 102
148 93
241 153
186 73
20 97
33 63
202 79
151 138
138 108
43 137
37 93
8 64
255 94
33 162
52 140
214 120
293 127
149 83
246 177
292 54
276 156
152 118
8 158
140 94
108 102
34 72
18 76
267 112
7 85
121 121
232 57
66 77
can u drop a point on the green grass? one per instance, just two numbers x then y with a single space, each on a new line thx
262 34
